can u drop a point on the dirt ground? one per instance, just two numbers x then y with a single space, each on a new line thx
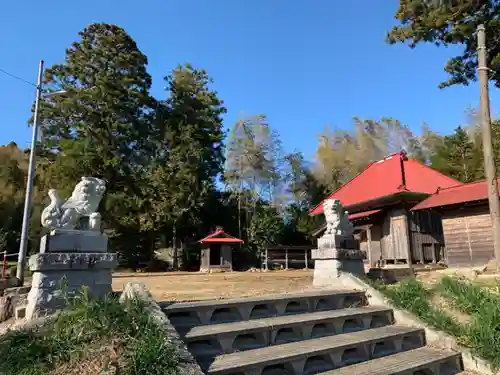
490 281
180 286
190 286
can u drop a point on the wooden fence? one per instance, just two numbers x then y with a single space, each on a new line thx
285 257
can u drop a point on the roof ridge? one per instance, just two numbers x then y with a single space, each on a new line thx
389 157
463 184
477 191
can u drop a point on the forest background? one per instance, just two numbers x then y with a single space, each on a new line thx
174 174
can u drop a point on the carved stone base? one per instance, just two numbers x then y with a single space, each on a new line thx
336 255
334 241
44 301
59 276
67 262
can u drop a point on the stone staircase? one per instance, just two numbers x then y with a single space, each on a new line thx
318 332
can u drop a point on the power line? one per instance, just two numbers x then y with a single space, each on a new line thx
16 77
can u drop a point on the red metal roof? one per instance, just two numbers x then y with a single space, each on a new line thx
474 191
391 175
219 236
359 215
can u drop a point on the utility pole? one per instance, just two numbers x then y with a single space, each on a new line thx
21 261
489 160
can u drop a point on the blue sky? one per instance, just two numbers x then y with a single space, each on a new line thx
304 64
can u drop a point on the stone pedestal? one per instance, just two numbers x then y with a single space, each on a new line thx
335 255
68 260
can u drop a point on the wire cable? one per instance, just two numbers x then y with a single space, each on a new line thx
16 77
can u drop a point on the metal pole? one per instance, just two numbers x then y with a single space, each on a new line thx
4 264
29 185
489 161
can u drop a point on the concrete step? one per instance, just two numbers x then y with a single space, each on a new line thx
420 361
318 355
189 314
215 339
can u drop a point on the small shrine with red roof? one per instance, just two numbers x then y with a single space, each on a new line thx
379 202
217 251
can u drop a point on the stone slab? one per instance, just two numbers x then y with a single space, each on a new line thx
328 271
52 280
334 241
337 253
74 241
72 261
278 322
42 302
414 361
260 300
257 359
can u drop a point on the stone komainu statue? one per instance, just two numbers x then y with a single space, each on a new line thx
83 202
337 218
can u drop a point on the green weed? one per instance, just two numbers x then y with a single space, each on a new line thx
411 295
89 322
482 333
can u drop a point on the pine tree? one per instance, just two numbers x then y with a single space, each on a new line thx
445 23
458 157
189 154
101 125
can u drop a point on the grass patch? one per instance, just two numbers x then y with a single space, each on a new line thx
412 296
99 333
482 334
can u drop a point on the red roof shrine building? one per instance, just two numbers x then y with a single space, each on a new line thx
217 251
466 221
379 201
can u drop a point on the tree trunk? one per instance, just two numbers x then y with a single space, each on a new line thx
174 244
6 308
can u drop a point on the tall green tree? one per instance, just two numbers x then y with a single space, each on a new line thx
344 153
253 169
266 227
189 151
475 134
458 157
448 22
13 174
307 191
101 126
254 157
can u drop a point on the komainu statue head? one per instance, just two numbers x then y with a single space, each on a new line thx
82 203
337 220
86 196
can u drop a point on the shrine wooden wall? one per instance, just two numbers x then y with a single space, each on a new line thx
468 235
399 236
395 245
